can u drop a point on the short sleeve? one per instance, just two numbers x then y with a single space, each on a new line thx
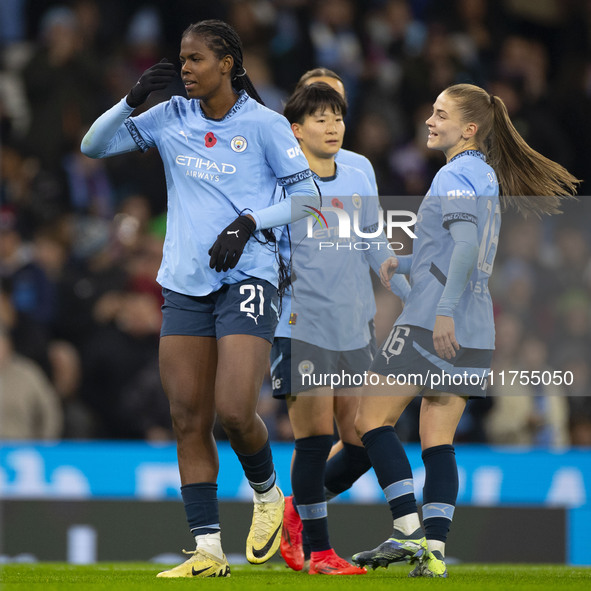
146 127
371 175
284 154
371 208
458 198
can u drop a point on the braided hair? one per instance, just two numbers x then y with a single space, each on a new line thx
223 40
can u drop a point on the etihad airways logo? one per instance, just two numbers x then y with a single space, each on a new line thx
203 168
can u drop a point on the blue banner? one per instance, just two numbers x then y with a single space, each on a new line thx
488 476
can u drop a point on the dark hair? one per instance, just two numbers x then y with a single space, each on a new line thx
317 73
223 40
308 99
528 181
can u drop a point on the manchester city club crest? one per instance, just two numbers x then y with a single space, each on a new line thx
356 200
238 143
305 367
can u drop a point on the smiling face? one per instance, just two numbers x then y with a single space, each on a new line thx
447 131
203 73
321 133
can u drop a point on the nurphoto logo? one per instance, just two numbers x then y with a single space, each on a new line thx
342 234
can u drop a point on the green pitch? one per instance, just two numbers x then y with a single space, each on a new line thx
141 576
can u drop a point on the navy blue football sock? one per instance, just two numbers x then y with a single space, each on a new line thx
440 491
307 482
258 468
392 469
344 468
305 544
201 506
306 547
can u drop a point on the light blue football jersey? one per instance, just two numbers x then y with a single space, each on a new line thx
465 189
332 291
215 170
358 161
362 163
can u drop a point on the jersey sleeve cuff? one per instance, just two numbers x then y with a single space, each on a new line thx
125 108
458 216
256 217
294 178
404 264
136 135
444 311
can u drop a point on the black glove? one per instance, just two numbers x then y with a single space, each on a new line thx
157 77
227 249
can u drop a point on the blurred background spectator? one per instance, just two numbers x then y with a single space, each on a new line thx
526 414
81 239
29 405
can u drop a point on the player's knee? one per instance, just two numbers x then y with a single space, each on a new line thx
186 419
430 438
235 421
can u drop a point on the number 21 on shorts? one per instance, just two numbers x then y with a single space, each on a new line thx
248 306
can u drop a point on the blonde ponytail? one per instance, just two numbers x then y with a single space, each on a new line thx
528 181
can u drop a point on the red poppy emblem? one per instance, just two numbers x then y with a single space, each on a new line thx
336 203
210 140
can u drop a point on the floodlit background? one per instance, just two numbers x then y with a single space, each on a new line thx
81 240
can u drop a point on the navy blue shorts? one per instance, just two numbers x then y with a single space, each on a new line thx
408 356
248 307
297 366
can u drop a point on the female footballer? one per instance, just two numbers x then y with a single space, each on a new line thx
223 154
441 345
347 460
323 327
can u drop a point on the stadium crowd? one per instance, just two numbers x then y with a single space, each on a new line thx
81 239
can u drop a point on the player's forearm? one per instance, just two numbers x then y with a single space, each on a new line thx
462 263
400 286
377 251
108 136
404 264
301 196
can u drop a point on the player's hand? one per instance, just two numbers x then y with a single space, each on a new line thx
227 249
157 77
444 337
387 270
